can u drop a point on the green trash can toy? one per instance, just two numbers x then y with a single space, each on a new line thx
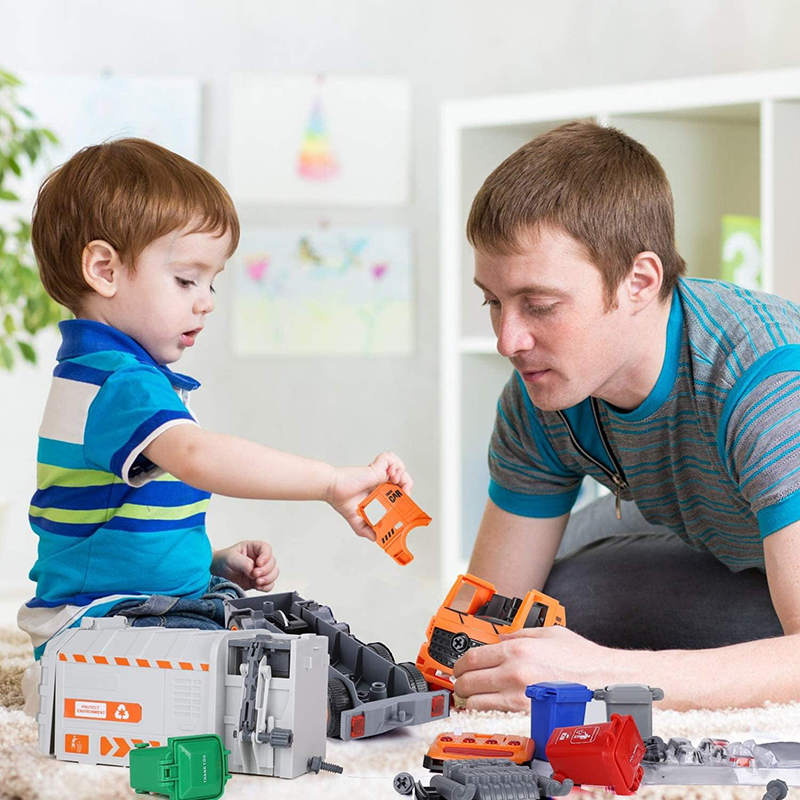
188 768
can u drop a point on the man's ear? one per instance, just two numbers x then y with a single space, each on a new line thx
644 281
102 267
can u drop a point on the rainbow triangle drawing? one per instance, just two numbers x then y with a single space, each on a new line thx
316 161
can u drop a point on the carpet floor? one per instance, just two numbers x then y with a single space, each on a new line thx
369 765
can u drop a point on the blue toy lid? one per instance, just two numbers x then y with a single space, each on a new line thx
561 691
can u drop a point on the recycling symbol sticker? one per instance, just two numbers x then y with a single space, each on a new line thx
122 712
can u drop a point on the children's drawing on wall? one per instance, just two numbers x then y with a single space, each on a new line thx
312 140
330 291
89 109
741 251
316 161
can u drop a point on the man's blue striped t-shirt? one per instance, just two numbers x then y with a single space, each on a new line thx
713 452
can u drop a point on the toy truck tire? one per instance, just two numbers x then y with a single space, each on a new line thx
382 650
338 701
415 676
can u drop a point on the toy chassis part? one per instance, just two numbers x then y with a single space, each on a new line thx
368 693
483 779
106 687
720 762
451 746
471 615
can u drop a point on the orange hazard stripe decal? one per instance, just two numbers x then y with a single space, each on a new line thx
121 661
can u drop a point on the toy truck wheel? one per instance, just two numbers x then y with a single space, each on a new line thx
338 701
382 650
415 677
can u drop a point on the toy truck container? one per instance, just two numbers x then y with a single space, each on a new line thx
555 704
368 693
604 754
473 614
635 699
106 686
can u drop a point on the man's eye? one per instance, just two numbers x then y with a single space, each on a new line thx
539 310
212 289
490 301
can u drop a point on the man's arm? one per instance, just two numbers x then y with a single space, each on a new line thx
748 674
515 553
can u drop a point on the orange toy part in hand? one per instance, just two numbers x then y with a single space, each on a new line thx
395 515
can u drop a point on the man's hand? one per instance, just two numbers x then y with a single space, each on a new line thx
250 564
350 485
494 676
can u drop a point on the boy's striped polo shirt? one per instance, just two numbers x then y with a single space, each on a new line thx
109 521
712 453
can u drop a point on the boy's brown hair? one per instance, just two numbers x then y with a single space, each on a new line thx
603 188
127 192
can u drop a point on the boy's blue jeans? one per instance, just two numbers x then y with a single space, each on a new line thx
158 610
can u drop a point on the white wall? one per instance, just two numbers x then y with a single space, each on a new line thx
347 409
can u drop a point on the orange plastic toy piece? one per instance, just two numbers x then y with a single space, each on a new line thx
446 746
394 515
471 615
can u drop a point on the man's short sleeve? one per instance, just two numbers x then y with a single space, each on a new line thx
527 477
761 439
132 408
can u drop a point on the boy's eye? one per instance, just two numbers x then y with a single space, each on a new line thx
184 282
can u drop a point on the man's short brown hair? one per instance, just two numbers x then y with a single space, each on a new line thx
127 192
601 187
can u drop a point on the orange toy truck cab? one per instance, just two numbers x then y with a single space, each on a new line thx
392 514
448 746
471 615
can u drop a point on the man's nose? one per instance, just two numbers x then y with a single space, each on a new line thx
512 336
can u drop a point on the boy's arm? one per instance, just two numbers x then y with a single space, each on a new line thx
515 553
236 467
739 675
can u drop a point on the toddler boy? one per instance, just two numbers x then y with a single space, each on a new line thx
130 236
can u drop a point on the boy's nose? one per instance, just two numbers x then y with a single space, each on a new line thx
204 304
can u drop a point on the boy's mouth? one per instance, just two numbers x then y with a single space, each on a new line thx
188 337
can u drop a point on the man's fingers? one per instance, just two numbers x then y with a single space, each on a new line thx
491 701
484 657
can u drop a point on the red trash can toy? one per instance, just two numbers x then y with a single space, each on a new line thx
604 754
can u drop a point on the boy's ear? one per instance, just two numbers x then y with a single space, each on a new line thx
102 267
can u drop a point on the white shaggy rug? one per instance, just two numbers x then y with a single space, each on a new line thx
369 765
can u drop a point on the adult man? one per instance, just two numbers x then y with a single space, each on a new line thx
676 393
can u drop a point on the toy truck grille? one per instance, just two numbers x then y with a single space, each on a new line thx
106 686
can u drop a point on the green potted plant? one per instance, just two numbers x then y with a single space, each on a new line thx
25 307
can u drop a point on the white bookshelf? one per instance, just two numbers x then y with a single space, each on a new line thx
730 144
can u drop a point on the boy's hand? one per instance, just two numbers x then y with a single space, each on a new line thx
350 485
250 564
